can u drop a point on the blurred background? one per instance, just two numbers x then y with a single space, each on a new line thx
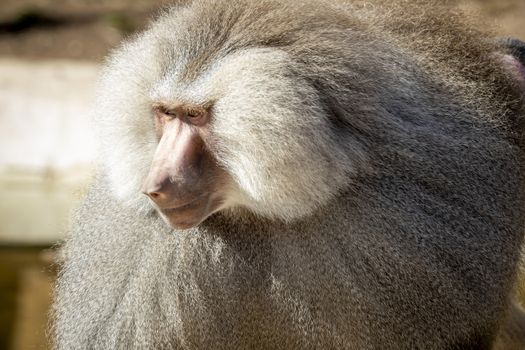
50 54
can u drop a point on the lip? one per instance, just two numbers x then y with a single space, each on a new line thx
180 208
191 213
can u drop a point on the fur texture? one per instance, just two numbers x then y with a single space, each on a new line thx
378 201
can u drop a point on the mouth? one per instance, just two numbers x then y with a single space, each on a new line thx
180 208
186 216
192 213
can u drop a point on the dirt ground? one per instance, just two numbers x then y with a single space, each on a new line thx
86 30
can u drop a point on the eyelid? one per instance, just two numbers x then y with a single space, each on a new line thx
161 110
193 113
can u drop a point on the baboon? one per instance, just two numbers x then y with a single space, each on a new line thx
300 175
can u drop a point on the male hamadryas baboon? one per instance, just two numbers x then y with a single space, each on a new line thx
301 175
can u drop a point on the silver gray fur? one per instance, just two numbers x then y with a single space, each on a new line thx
379 203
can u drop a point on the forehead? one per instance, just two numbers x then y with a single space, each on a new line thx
204 32
246 67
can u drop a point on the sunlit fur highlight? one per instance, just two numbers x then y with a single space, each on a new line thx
376 149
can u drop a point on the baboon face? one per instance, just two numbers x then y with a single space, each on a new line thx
185 181
243 133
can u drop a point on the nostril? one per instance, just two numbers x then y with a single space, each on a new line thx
159 192
154 194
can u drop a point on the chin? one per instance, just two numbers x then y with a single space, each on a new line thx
181 221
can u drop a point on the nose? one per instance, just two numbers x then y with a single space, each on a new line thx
160 191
